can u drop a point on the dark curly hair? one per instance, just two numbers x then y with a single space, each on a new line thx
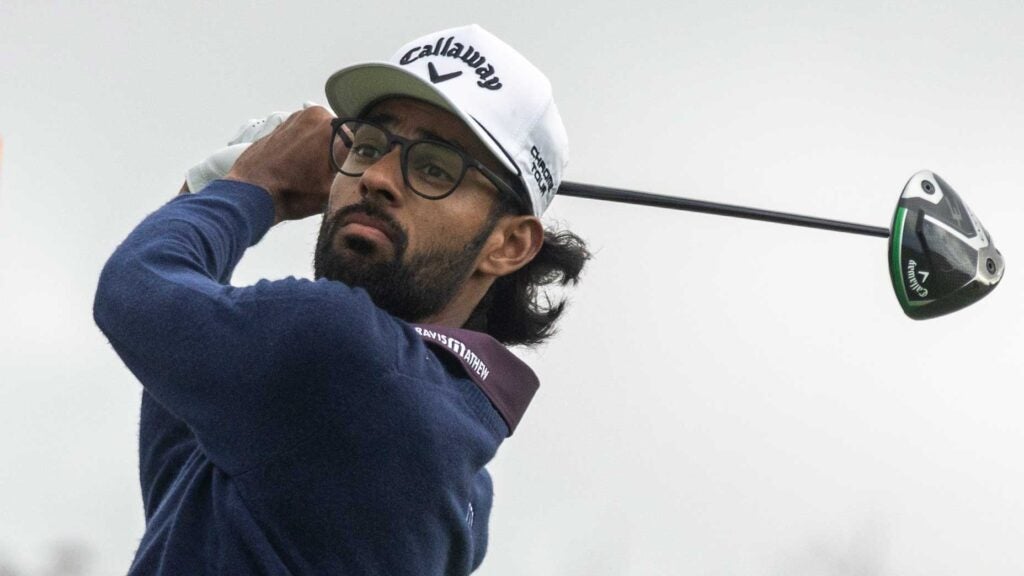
517 310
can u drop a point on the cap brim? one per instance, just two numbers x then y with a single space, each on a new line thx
350 90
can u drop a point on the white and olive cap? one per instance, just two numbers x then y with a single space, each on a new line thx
503 98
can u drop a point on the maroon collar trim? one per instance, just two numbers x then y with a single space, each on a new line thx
505 379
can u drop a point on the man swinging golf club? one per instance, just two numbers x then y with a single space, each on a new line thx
343 425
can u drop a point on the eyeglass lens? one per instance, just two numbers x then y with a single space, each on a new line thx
432 169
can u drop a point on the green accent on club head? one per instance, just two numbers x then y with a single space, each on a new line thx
896 257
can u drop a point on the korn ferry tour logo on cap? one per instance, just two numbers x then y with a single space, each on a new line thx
503 98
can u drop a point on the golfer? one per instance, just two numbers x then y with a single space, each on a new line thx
342 425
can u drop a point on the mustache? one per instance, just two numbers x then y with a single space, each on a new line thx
394 229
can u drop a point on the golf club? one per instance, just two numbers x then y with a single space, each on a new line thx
941 258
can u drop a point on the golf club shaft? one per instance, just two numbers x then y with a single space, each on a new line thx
580 190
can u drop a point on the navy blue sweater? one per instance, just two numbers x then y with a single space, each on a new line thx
292 427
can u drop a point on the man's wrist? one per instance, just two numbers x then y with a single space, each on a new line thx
257 206
275 197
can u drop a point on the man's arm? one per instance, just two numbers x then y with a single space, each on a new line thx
245 368
201 347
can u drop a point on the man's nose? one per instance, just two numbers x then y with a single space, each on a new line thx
384 177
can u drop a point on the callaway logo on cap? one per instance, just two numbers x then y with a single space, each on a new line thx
503 98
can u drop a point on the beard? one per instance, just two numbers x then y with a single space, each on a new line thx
412 290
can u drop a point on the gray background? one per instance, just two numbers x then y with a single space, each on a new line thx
725 397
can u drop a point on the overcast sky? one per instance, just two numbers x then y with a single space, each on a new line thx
725 397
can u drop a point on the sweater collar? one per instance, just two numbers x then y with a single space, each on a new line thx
505 379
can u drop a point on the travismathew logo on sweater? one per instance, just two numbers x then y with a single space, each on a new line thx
448 47
472 361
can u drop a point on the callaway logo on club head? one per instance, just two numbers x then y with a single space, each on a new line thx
912 273
448 47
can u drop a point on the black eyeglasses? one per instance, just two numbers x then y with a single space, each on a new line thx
430 168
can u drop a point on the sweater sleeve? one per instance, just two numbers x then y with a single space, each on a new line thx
254 370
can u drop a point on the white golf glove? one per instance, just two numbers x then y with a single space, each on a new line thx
218 164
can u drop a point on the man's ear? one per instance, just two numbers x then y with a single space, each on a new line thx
512 245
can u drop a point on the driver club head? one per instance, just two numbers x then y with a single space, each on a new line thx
941 258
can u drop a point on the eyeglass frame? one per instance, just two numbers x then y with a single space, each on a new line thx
393 139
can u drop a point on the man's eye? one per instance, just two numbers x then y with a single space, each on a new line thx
437 173
367 151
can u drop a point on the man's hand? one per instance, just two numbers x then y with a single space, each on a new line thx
218 164
292 164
